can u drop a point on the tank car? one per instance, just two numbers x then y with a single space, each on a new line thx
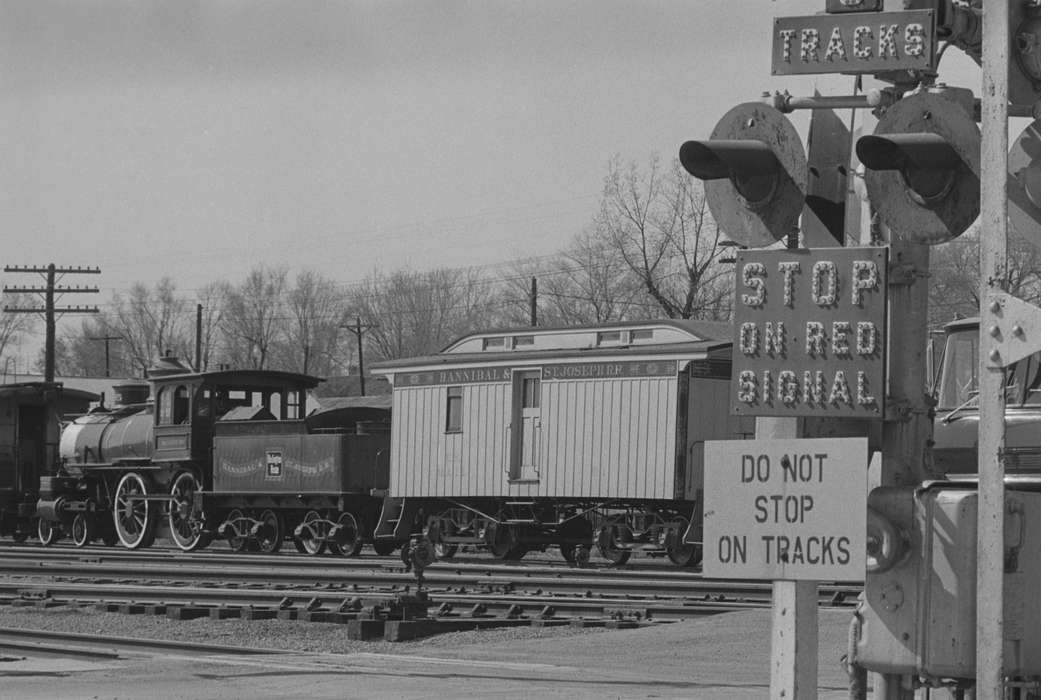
30 424
230 453
525 438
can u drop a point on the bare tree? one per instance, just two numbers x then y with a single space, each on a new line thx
659 223
254 316
954 276
213 299
151 322
14 327
588 282
316 308
416 313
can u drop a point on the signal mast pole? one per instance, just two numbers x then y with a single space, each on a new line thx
990 565
49 310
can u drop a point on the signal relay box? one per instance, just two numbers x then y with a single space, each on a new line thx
918 612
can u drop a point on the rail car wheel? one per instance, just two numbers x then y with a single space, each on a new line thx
384 546
348 540
236 541
679 552
272 532
133 515
47 532
83 528
313 542
20 536
185 522
436 530
575 529
502 542
607 542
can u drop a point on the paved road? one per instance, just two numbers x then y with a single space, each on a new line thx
726 656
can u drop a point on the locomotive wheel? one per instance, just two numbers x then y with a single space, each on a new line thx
272 532
349 540
235 541
83 529
310 545
384 546
679 552
185 522
134 517
47 532
607 542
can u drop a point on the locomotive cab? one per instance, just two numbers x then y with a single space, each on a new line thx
188 405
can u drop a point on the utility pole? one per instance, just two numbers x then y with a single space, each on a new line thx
533 301
358 329
49 292
107 339
198 337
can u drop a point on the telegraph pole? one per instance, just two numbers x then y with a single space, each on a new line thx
358 329
49 292
107 339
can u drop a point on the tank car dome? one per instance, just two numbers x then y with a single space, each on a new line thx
166 366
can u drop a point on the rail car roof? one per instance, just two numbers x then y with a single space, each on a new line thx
30 389
240 377
658 337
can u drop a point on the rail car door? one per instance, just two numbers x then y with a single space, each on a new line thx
32 445
527 399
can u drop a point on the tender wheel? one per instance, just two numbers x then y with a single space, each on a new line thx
348 540
608 541
134 517
384 546
185 522
272 532
47 532
236 541
679 552
312 544
82 529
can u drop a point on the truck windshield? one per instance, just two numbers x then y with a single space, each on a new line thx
958 380
958 385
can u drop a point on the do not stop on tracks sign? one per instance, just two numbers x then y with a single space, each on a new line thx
786 509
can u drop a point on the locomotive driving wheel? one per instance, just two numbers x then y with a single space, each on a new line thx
47 532
133 515
272 532
83 529
313 540
348 539
184 520
679 552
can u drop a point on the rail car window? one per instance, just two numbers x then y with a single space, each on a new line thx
608 337
454 410
531 391
181 404
498 343
164 402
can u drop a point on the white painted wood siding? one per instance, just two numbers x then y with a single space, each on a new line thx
597 438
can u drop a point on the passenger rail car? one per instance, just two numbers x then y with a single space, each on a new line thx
230 453
30 425
523 438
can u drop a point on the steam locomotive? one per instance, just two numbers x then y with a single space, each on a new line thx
230 454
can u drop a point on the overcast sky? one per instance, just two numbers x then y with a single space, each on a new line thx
199 138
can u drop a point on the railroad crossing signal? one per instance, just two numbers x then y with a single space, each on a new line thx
923 164
755 174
